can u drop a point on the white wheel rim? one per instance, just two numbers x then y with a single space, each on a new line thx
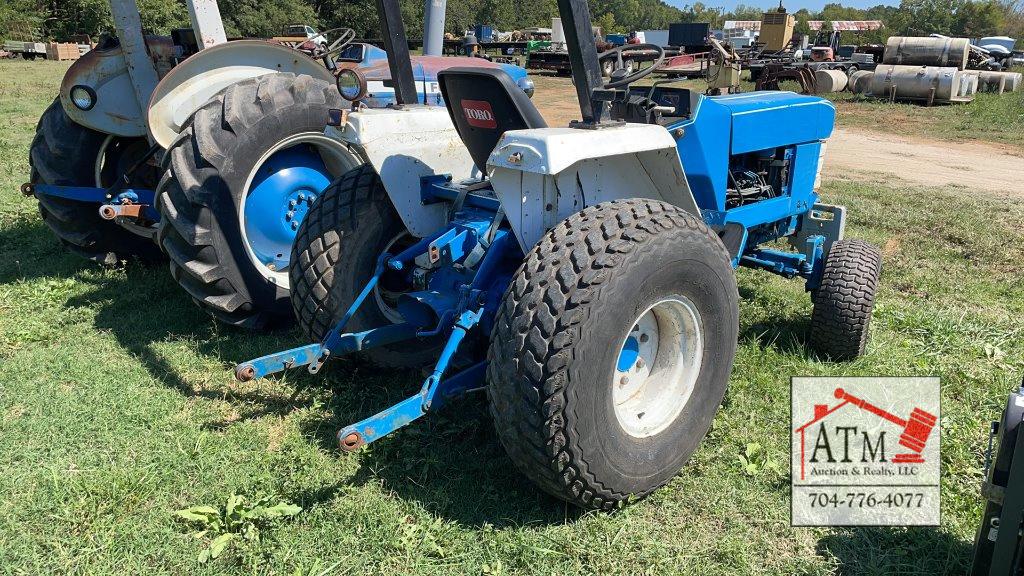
336 157
657 367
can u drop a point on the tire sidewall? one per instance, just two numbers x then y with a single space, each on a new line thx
639 463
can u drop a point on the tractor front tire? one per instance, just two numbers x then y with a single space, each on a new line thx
212 163
563 381
845 298
334 256
64 153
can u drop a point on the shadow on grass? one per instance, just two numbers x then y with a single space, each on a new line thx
450 462
786 332
883 551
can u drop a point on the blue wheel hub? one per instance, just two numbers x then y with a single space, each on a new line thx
628 355
280 195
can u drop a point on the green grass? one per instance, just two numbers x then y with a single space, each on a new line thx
117 407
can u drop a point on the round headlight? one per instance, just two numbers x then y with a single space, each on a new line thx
83 97
527 85
351 84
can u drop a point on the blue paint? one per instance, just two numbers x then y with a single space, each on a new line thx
628 355
282 191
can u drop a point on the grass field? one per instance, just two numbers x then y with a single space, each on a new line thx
117 407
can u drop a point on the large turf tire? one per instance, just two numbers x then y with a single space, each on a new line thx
335 254
845 298
63 153
555 343
199 204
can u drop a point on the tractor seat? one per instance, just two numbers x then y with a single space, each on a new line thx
484 103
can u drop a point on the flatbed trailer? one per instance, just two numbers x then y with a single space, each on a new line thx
558 60
503 48
28 50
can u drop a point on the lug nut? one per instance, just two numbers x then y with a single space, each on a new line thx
639 362
312 199
624 380
302 197
295 225
644 338
292 203
289 215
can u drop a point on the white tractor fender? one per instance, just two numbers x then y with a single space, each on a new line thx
403 145
545 175
191 84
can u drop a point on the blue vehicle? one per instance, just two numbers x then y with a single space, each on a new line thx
583 276
239 157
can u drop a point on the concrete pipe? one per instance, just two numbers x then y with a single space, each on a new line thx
830 81
860 81
990 81
931 84
910 50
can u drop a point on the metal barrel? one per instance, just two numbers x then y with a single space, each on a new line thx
993 81
860 81
830 81
924 83
912 50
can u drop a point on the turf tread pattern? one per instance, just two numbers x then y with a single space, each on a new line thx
845 298
540 320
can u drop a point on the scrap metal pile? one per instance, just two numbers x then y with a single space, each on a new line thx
934 70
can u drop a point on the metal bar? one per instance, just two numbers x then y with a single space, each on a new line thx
433 27
586 71
141 69
396 44
206 23
375 427
91 193
310 353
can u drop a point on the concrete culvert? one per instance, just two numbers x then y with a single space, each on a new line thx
830 81
991 81
860 81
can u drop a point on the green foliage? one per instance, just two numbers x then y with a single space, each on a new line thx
237 521
754 460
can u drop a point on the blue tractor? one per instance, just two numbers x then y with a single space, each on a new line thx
582 275
130 159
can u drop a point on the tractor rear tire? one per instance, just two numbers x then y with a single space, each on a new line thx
63 153
212 164
335 254
561 334
845 298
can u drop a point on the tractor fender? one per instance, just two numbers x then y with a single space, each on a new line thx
403 145
196 80
103 70
545 175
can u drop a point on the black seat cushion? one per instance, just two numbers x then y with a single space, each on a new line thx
484 103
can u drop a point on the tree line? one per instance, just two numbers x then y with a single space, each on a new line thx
58 19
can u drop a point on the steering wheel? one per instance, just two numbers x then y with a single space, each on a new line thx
618 80
345 37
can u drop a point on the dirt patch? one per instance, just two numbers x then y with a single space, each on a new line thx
977 166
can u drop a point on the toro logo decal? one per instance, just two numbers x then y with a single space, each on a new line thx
479 114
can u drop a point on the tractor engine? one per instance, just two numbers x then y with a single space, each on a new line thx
758 176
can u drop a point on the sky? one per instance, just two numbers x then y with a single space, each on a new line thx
791 5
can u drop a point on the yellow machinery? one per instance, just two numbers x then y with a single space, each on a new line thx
776 29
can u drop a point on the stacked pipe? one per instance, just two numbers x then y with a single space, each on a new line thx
998 82
860 81
827 81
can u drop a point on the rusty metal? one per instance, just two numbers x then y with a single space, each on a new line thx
245 373
774 73
111 211
350 442
28 189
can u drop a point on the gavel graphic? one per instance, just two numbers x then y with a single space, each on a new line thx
916 429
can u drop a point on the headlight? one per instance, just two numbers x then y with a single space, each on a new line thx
351 84
527 85
83 97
